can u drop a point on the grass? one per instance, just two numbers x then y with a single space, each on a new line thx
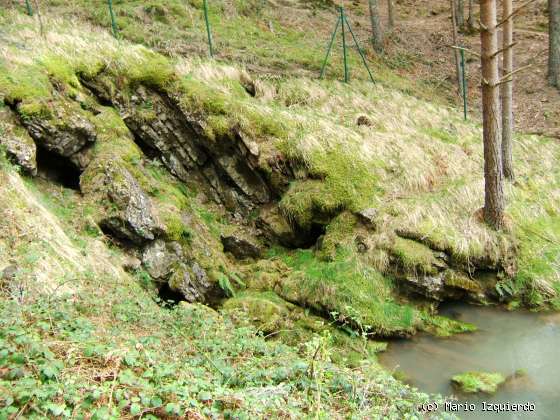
347 292
96 343
420 168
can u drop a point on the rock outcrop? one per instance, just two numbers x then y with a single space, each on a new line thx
19 146
129 212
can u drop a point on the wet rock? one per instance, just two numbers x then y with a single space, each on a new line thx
368 217
192 282
129 215
240 246
159 258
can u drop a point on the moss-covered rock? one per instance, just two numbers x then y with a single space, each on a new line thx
477 382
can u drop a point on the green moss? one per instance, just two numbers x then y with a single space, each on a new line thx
413 256
60 69
350 293
476 382
308 202
461 281
441 326
338 234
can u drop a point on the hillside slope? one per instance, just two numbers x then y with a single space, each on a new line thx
290 205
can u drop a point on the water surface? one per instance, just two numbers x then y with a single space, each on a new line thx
505 342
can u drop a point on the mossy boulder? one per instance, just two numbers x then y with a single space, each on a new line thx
20 148
478 382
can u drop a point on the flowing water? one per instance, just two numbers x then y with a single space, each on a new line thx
505 342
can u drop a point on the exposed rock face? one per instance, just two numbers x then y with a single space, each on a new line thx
276 229
240 246
230 168
65 133
168 263
130 216
159 258
19 146
368 217
192 282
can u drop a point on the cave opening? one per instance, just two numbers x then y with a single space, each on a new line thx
57 169
169 298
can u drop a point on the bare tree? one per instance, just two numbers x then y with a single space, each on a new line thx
456 51
493 175
554 43
507 90
39 17
390 15
470 19
376 32
460 13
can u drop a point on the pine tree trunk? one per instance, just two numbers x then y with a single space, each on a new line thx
493 176
507 92
470 19
391 14
376 32
460 14
455 51
554 43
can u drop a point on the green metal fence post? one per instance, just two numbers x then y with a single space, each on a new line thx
208 31
464 81
329 48
359 50
113 22
346 78
29 8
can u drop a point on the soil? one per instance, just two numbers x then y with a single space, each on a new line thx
423 35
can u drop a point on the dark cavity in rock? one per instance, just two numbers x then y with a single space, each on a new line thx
168 297
57 169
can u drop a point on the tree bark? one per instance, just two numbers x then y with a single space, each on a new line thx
507 92
390 14
455 51
376 32
470 19
554 43
493 176
460 14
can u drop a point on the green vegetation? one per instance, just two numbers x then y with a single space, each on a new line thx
295 333
475 382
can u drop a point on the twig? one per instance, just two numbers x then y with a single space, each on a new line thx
501 50
464 49
515 12
506 78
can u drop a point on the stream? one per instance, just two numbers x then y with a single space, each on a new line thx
505 342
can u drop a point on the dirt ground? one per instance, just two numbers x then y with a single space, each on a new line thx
423 29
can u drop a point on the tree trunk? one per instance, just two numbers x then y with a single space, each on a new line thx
39 17
507 92
390 14
460 14
493 176
554 43
455 51
376 32
470 19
